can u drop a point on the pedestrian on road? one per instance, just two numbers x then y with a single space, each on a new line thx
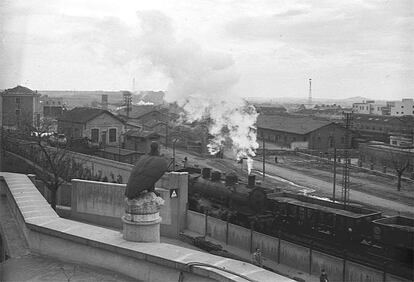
324 276
257 258
185 161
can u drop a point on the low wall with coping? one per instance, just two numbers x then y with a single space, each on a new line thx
81 243
281 251
102 203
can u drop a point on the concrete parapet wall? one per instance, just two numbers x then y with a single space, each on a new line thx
81 243
102 203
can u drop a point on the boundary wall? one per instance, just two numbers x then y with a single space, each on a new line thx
284 252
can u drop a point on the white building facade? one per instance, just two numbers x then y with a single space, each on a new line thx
403 108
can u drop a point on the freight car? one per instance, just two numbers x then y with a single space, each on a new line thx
300 213
396 235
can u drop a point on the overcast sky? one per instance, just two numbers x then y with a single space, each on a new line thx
348 48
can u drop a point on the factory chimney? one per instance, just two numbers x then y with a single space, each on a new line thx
104 101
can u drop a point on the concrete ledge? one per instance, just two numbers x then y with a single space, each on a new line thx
48 234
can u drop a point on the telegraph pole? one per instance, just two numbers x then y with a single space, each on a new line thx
346 166
264 159
334 176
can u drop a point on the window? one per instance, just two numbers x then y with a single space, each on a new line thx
342 140
112 135
402 107
95 135
18 112
17 100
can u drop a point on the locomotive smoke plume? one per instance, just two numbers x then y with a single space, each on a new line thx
202 83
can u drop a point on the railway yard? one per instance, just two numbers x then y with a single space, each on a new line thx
295 174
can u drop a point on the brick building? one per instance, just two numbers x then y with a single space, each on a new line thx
20 107
302 132
100 126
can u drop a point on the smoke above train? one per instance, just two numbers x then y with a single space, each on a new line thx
202 82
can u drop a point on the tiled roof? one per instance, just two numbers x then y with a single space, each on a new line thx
141 133
291 124
137 111
19 90
83 114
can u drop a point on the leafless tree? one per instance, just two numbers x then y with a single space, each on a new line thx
400 161
53 165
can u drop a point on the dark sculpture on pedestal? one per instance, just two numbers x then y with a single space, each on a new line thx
146 172
141 222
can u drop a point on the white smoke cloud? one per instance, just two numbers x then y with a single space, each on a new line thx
201 81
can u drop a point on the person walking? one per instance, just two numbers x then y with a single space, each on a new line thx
324 276
257 257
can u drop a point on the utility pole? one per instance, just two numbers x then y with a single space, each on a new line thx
345 176
334 176
127 101
264 159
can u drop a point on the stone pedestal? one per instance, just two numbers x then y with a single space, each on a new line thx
141 222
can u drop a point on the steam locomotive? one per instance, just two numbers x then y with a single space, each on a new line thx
269 210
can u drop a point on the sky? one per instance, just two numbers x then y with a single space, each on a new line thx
268 48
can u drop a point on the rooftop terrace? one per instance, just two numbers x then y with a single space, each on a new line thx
51 236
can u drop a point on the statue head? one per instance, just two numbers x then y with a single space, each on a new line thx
154 149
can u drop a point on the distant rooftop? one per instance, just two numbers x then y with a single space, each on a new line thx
290 123
19 91
83 114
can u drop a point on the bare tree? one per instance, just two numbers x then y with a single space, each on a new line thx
53 165
400 161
